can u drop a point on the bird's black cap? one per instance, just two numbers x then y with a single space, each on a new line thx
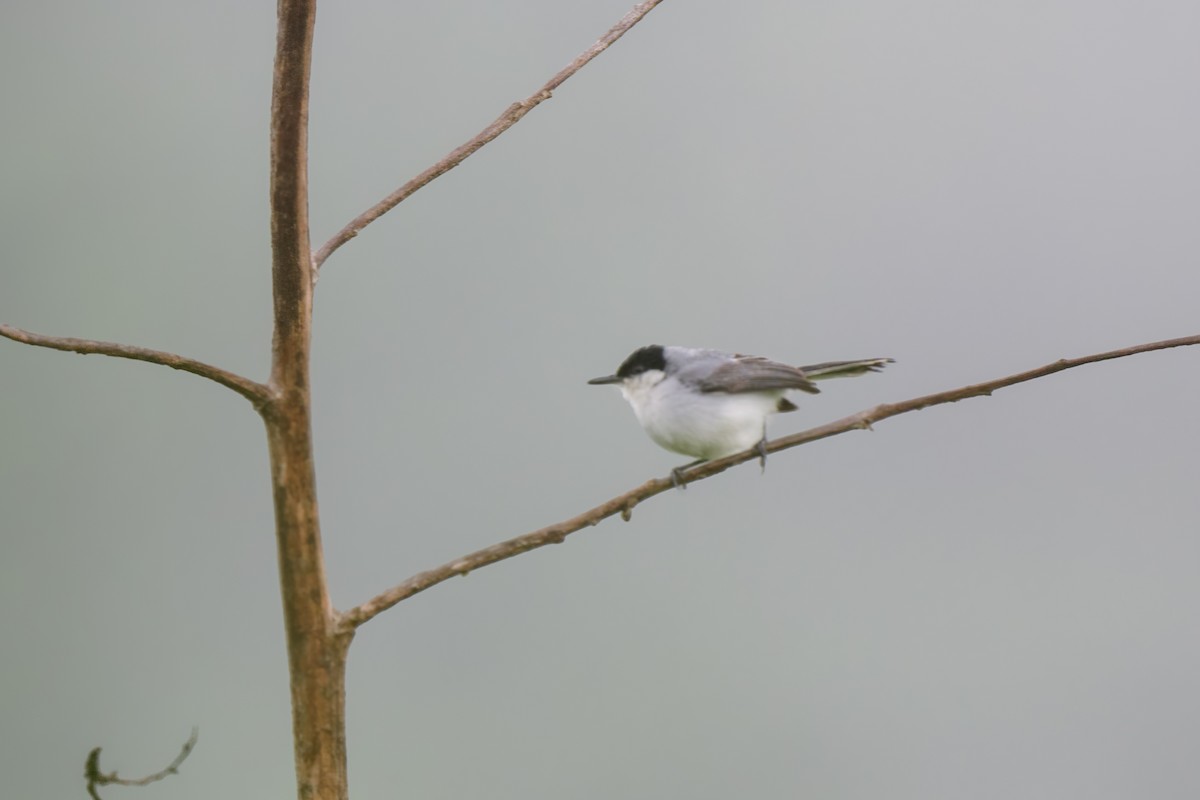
641 360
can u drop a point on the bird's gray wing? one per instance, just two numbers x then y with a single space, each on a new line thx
754 374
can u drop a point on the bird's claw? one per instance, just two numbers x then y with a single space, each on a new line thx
677 474
677 477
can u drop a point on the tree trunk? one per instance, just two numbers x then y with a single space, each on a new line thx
316 643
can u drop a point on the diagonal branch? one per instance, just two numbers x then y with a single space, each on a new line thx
91 769
511 116
256 393
624 504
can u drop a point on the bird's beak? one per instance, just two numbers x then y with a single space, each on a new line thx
604 380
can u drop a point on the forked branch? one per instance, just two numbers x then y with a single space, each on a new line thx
256 393
511 116
91 769
624 504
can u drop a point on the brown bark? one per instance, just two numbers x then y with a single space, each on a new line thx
316 648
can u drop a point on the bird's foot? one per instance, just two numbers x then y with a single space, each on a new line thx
677 474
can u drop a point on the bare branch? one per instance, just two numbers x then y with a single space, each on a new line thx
256 393
511 116
316 654
624 504
91 769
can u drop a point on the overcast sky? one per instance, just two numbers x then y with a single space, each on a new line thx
994 599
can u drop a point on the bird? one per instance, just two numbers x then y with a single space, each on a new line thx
709 404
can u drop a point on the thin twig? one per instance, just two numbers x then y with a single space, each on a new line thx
91 769
624 504
256 393
511 116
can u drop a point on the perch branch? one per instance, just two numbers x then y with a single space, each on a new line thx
256 393
624 504
91 769
511 116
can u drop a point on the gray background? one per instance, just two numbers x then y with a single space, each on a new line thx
994 599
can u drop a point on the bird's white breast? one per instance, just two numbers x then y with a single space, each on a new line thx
702 425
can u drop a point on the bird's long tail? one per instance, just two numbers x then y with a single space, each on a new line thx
844 369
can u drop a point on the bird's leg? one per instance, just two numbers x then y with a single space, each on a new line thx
762 450
677 473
